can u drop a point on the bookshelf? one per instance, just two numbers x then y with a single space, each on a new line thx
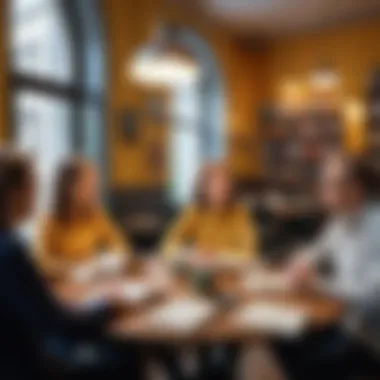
293 144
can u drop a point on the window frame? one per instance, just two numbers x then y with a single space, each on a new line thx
77 93
210 90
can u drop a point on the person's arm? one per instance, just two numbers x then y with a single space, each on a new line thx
364 286
21 296
111 236
46 249
181 233
302 270
364 282
25 296
248 237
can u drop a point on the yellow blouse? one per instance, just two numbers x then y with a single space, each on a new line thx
227 233
61 244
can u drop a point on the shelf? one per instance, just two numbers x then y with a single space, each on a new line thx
294 145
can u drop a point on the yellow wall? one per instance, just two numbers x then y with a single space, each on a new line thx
128 27
353 50
250 78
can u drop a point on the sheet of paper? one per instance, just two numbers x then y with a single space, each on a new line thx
261 281
136 291
110 263
85 272
183 315
273 318
228 261
105 264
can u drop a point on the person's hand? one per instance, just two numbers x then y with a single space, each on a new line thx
110 292
159 274
203 261
300 274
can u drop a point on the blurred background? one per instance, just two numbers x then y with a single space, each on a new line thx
151 89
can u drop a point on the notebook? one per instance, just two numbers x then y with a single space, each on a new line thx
260 282
136 291
273 318
183 315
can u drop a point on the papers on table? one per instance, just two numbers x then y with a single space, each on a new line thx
93 300
110 262
265 281
136 291
105 264
273 318
85 272
131 292
183 315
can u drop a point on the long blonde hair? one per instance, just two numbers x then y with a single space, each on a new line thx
69 174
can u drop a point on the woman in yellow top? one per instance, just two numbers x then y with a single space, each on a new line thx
215 226
77 229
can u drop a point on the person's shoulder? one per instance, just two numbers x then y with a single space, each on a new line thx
371 224
47 222
372 212
189 213
240 208
101 215
191 209
10 243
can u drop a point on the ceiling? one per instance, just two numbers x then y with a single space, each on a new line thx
274 17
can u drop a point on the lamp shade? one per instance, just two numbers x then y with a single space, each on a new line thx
163 62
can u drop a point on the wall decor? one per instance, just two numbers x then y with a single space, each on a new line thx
293 146
129 125
157 110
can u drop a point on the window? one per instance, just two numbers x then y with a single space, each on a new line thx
41 43
198 120
57 69
43 126
185 142
42 120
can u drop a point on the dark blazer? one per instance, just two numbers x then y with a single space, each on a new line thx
29 316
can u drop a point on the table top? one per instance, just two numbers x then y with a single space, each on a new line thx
222 325
134 320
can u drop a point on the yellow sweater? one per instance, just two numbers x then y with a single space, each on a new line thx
61 244
228 233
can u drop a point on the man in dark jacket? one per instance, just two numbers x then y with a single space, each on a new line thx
35 331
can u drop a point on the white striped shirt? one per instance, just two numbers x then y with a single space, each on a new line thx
352 246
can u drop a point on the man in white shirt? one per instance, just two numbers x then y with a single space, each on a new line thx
350 248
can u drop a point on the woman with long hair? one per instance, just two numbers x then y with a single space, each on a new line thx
77 228
215 226
33 326
215 229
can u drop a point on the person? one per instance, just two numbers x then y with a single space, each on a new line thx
217 229
33 326
77 229
215 226
345 263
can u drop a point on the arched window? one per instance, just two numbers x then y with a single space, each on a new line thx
179 59
198 130
57 79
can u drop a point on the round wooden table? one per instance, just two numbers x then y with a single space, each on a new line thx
135 322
